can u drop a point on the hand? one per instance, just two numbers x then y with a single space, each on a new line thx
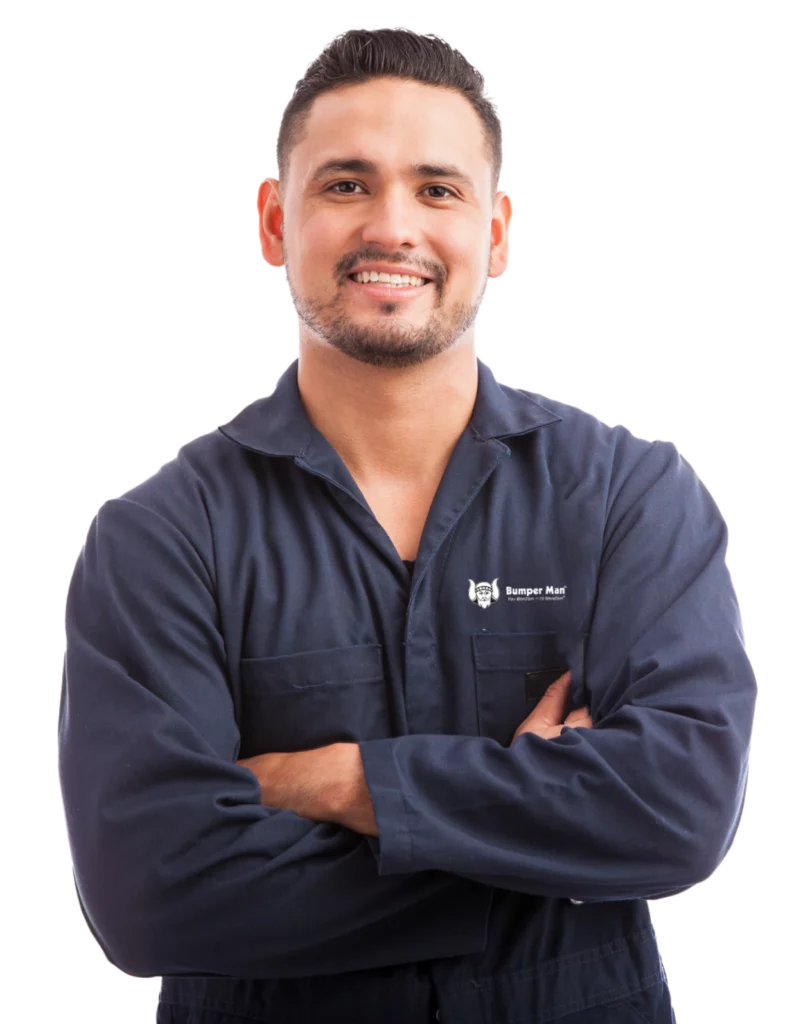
545 718
323 784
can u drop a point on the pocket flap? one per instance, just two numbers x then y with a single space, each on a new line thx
361 663
520 652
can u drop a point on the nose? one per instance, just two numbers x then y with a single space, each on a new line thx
392 220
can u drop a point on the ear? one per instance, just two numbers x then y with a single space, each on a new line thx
500 233
269 208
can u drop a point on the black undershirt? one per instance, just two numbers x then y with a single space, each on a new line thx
409 564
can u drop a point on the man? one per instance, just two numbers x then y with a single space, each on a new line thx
395 698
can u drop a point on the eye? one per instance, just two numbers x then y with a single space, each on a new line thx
450 193
443 187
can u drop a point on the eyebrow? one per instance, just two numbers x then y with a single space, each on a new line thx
357 166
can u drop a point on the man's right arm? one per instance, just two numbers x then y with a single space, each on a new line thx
179 868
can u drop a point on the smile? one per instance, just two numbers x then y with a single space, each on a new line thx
394 293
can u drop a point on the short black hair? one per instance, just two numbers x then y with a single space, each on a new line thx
360 55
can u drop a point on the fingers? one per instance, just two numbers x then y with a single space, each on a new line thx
550 709
579 719
545 719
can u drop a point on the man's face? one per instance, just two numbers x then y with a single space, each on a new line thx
429 223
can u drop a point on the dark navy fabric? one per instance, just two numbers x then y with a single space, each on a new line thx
244 599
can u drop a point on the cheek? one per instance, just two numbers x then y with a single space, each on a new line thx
320 245
467 261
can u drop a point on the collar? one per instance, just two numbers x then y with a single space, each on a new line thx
278 424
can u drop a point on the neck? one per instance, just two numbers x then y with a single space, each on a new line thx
396 423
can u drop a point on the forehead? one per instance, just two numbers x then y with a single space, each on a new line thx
394 124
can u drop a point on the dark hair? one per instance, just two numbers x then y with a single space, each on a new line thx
359 55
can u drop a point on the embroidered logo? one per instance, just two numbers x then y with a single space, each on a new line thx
486 594
483 594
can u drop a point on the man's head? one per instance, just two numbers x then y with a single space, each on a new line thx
420 196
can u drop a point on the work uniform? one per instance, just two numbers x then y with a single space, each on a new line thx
244 600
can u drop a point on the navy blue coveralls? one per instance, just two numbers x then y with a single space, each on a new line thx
244 599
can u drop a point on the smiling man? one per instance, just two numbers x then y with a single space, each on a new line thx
395 698
387 262
422 300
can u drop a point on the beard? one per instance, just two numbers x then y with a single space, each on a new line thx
389 339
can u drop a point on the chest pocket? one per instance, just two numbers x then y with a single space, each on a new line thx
312 698
513 670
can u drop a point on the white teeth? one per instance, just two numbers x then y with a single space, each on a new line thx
395 280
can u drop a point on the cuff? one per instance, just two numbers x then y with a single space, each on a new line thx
392 847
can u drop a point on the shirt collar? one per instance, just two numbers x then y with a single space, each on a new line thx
278 424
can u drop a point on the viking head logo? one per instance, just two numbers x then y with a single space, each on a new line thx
483 593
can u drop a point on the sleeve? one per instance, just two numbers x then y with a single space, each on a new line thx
647 802
179 867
